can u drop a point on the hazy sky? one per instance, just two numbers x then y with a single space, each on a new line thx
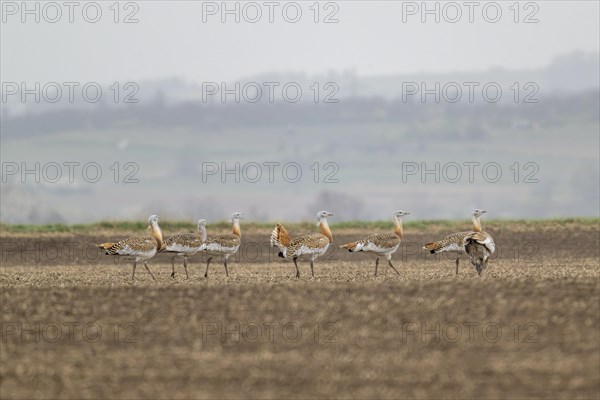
171 39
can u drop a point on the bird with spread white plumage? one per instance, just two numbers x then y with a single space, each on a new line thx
454 242
479 246
313 245
224 245
185 245
140 248
381 244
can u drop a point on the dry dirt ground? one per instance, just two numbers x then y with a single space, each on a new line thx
74 326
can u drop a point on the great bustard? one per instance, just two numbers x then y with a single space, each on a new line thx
381 244
224 245
455 242
313 245
479 246
141 248
186 245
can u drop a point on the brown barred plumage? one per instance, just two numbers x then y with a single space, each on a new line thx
455 242
313 245
186 245
381 244
141 248
225 245
479 246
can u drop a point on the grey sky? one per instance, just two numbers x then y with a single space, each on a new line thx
370 38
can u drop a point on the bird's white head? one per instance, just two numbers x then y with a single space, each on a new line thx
322 217
478 212
236 216
152 220
235 220
155 230
323 225
323 214
202 229
400 213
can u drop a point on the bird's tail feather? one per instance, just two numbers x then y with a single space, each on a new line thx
280 237
433 247
351 246
108 247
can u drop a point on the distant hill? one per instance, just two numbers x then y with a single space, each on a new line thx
567 74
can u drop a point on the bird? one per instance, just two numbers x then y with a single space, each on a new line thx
224 245
313 245
381 244
186 245
455 242
479 246
141 248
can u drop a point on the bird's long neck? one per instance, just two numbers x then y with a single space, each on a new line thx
398 227
202 232
236 228
324 228
476 224
157 235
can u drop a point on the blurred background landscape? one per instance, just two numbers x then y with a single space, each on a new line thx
365 139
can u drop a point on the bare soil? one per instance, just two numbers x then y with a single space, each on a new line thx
75 326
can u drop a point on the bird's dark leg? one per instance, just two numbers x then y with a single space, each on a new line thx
148 269
207 264
312 269
225 263
185 267
376 265
482 265
133 275
457 260
296 264
173 265
390 264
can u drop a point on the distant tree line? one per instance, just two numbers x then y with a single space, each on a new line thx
216 117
